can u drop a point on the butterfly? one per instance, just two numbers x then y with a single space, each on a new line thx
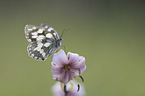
44 41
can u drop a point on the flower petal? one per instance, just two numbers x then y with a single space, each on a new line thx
56 69
60 58
79 63
59 76
65 78
82 69
72 57
57 90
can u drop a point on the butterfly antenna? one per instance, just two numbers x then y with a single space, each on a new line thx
62 35
64 32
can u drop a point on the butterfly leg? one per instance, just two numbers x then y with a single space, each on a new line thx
63 47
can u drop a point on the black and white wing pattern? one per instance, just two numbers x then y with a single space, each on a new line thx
44 41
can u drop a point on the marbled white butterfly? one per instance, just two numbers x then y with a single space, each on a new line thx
44 41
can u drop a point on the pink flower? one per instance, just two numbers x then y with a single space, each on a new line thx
71 88
66 67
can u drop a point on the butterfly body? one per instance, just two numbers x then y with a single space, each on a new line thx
44 41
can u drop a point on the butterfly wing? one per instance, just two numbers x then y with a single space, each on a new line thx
50 29
42 41
39 52
31 33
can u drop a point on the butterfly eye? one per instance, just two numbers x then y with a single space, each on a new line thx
60 39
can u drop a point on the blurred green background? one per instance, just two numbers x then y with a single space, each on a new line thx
110 34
